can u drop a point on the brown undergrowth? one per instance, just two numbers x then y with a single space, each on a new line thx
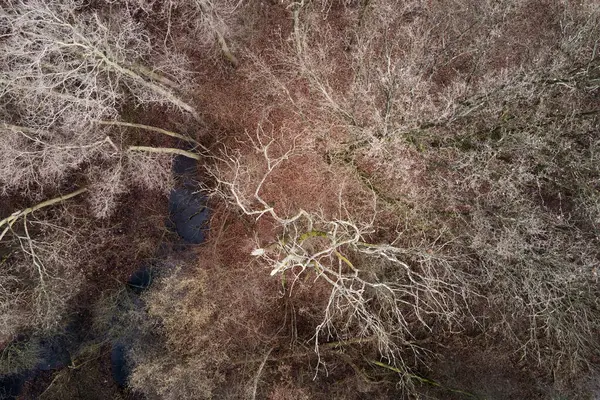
437 132
404 197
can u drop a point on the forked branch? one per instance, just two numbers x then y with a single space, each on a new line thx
335 251
9 221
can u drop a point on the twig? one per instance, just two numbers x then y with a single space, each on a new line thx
30 133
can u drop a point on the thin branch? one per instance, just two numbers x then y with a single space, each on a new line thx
149 85
260 369
205 8
148 128
147 72
18 128
166 150
330 346
225 49
421 379
10 220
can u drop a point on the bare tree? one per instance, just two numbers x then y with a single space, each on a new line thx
62 51
41 270
374 293
64 69
462 130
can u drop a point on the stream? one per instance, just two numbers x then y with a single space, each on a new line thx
188 217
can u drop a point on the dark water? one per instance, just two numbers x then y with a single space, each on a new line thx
119 366
53 353
188 216
11 385
188 211
141 279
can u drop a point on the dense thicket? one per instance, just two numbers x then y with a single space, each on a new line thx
397 186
